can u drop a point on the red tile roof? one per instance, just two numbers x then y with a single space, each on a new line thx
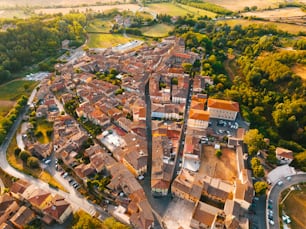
223 104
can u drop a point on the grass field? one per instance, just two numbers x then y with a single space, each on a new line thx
5 107
158 30
293 29
13 90
43 126
295 207
106 40
12 14
177 10
300 70
224 167
18 164
236 5
99 25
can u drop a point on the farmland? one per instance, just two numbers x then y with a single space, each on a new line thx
99 26
277 13
158 30
177 10
290 28
300 70
65 10
42 3
236 5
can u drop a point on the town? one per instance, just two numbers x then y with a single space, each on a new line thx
132 128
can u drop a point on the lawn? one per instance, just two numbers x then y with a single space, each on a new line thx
13 90
18 164
224 167
295 208
290 28
106 40
43 127
178 10
158 30
99 26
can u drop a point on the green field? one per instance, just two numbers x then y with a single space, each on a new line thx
99 26
178 10
290 28
13 90
158 30
106 40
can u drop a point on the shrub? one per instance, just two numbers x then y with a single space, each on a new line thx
33 162
24 155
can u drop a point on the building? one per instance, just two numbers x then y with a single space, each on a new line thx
22 217
284 156
223 109
58 209
198 119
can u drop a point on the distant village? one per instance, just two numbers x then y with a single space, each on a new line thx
157 125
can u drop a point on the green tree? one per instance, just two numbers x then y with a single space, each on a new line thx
82 220
111 223
33 162
260 187
254 140
24 155
218 153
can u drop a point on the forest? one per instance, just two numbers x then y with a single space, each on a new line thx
30 41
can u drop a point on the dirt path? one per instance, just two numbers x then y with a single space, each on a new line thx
228 68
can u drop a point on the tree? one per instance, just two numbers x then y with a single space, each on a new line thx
111 223
218 153
33 162
254 140
17 150
187 67
260 187
82 220
259 171
24 155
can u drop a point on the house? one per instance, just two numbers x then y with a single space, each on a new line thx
8 206
223 109
84 170
198 119
40 150
143 218
22 217
18 188
101 160
37 197
204 216
5 226
58 209
284 156
188 185
243 194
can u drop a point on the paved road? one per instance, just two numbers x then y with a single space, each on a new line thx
73 197
274 195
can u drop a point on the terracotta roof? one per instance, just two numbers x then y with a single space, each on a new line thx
205 213
223 104
19 186
23 216
199 115
56 208
284 152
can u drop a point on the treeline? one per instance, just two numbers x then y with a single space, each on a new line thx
30 41
7 122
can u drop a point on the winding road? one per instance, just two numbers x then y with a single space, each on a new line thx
73 197
274 195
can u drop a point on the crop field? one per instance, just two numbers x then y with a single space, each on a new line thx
177 10
290 28
131 7
295 207
236 5
277 13
158 30
43 3
106 40
12 14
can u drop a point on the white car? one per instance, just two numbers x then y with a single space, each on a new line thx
271 222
